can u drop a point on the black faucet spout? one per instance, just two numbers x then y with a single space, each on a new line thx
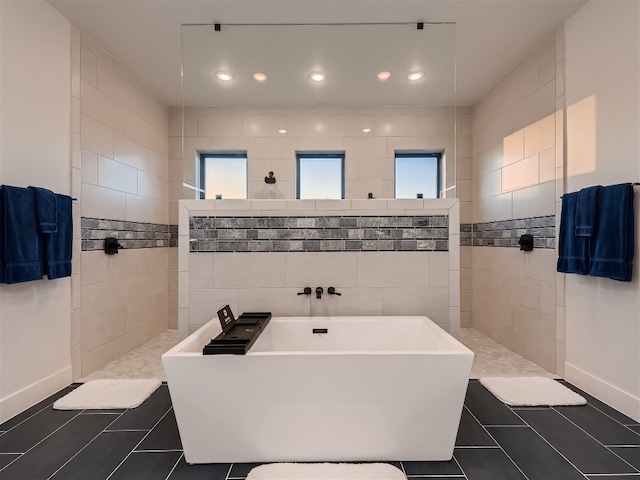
319 291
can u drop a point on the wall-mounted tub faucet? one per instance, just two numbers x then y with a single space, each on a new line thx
319 291
305 291
332 291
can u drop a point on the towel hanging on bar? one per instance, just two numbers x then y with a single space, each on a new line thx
597 231
36 234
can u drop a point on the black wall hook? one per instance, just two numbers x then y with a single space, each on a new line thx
526 242
111 245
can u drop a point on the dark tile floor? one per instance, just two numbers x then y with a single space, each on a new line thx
495 442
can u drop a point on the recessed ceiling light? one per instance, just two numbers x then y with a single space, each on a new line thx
415 75
224 76
317 76
260 77
282 130
366 130
384 76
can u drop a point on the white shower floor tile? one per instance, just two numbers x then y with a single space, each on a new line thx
141 362
495 360
491 359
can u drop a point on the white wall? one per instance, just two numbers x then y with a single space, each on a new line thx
602 123
35 317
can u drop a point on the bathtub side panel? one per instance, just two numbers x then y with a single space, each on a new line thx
317 408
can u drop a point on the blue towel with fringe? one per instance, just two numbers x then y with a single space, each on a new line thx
45 209
22 239
612 249
573 251
587 211
58 246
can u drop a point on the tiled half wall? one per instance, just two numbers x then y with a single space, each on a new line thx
405 259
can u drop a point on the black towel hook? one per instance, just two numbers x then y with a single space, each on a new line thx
111 245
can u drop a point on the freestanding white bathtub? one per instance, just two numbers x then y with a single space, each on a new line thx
371 388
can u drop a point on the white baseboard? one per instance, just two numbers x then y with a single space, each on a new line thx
609 394
19 401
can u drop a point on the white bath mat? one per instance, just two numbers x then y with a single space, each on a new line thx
531 391
326 471
108 394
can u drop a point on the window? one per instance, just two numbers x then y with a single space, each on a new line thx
320 175
223 175
418 174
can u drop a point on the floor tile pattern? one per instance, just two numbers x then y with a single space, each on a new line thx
495 442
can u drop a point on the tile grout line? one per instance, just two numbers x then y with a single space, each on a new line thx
504 426
402 468
34 414
136 446
614 475
228 472
596 440
43 439
552 446
497 443
174 466
160 451
457 462
85 446
602 411
128 429
12 461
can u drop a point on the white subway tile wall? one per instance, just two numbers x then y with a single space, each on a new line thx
123 180
515 162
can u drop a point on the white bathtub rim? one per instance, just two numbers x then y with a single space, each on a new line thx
212 328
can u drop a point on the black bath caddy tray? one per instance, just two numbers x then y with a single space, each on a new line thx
241 337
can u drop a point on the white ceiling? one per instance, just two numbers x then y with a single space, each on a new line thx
144 36
351 56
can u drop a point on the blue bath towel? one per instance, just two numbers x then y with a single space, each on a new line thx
573 251
613 249
22 239
58 246
45 209
587 211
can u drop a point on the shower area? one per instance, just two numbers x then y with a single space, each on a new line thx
387 91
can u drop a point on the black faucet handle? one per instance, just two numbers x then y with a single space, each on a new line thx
332 291
306 291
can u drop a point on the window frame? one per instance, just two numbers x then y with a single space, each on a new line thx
202 174
320 154
425 154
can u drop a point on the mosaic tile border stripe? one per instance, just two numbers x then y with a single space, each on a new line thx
506 233
319 234
131 235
